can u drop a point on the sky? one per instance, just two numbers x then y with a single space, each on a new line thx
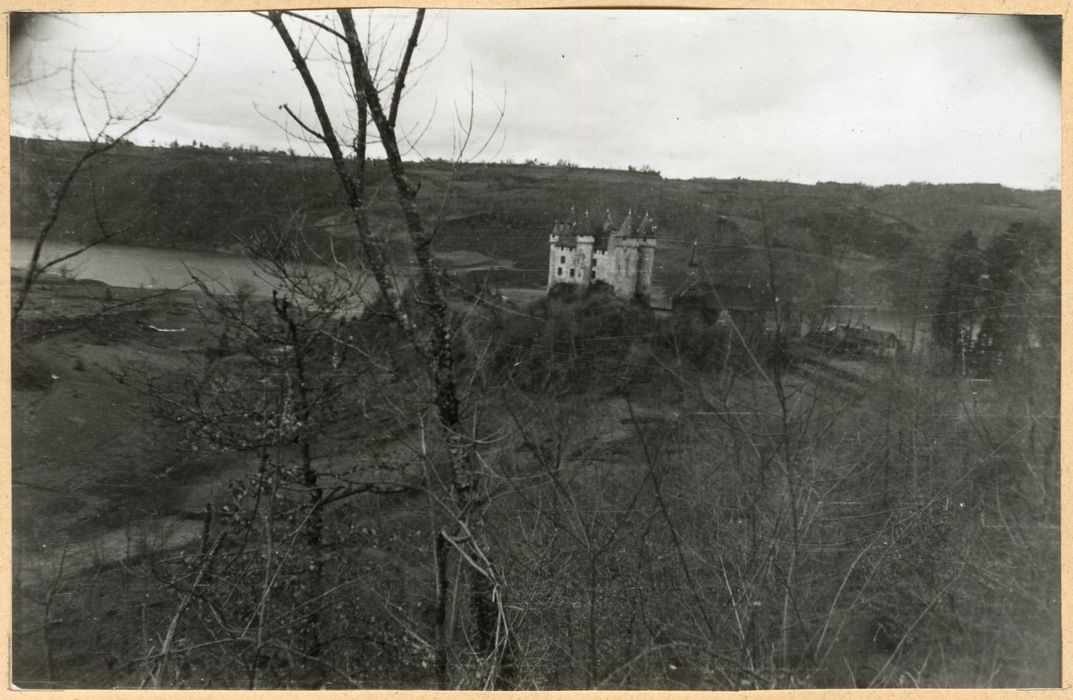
804 96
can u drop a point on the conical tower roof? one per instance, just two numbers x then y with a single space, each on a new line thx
647 227
609 223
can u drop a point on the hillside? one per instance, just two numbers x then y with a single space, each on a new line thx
669 502
929 513
496 216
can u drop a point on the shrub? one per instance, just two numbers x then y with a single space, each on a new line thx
29 372
577 340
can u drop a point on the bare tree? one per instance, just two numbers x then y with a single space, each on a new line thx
429 331
118 124
283 380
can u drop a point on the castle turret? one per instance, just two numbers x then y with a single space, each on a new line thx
554 252
583 260
609 223
647 227
626 229
646 234
647 254
627 261
609 232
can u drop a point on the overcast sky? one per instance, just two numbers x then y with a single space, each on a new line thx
777 95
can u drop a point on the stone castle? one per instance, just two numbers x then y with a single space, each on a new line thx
621 256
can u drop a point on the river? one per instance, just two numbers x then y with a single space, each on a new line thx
161 268
164 268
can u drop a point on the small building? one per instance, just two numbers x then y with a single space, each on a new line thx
872 341
622 256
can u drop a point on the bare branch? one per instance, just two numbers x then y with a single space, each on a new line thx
301 123
96 148
373 245
309 20
400 77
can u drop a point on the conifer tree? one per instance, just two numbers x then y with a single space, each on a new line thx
957 309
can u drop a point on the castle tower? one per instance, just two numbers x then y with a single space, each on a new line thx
647 254
583 260
553 254
560 257
612 234
629 261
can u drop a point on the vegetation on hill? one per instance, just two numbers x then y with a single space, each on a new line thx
207 198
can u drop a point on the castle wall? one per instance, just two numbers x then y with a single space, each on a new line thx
603 267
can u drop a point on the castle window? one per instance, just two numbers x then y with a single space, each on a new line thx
558 272
562 258
571 273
